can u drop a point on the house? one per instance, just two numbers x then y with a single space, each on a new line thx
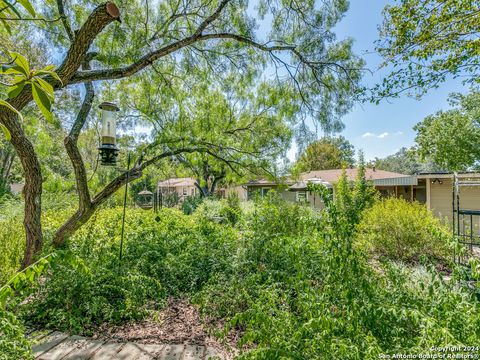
440 195
182 187
16 188
386 182
434 189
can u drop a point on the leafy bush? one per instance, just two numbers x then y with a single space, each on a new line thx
56 209
210 209
170 199
96 294
232 210
12 245
400 230
13 344
175 256
190 203
311 297
221 210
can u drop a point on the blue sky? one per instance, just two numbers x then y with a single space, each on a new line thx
381 130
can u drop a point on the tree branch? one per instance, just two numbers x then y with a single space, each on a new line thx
72 148
65 22
100 17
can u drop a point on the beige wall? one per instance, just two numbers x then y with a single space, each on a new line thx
291 196
441 198
240 191
179 191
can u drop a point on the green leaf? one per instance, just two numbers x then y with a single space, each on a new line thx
46 87
26 4
6 26
15 90
13 8
43 101
5 293
49 68
22 62
6 132
12 70
6 104
51 73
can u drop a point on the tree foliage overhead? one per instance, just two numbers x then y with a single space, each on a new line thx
425 41
450 138
404 161
243 127
292 42
326 153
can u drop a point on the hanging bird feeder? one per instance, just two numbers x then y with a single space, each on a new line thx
108 149
145 199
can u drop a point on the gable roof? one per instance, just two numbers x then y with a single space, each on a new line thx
333 175
177 182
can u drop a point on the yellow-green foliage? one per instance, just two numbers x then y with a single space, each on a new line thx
12 244
401 230
12 239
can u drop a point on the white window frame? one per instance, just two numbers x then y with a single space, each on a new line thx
305 197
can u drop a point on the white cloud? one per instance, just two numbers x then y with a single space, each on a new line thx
382 135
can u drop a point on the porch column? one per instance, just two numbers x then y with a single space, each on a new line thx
411 193
428 184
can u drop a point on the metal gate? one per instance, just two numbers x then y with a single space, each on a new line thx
465 222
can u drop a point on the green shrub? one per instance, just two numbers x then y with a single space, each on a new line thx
13 344
55 210
233 211
400 230
173 257
190 203
221 210
78 297
12 245
305 293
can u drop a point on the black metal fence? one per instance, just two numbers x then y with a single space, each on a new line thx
465 222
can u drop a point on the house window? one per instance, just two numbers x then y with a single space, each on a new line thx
265 191
301 196
193 191
185 193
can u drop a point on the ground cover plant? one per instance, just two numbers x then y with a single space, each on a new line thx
289 281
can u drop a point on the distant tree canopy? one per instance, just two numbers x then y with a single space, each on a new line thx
451 138
404 161
326 153
425 41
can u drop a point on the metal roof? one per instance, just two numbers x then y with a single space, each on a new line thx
399 181
302 185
